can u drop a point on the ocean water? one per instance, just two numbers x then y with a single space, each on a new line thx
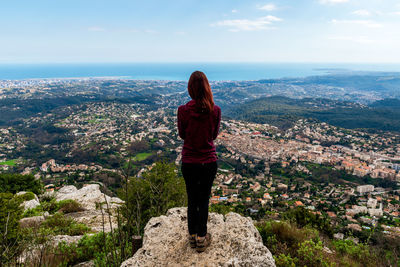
182 71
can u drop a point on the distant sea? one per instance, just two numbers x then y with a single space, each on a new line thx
182 71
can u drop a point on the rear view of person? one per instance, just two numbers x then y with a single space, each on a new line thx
198 126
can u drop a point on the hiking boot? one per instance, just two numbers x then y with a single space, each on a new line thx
192 240
203 242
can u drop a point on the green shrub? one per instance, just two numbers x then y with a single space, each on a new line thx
69 206
293 246
58 224
358 252
311 253
158 190
47 197
94 247
14 183
283 260
303 217
284 237
85 250
221 208
50 205
26 197
37 211
10 213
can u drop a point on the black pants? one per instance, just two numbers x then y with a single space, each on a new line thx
199 179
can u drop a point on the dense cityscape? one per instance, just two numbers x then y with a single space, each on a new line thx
100 131
261 166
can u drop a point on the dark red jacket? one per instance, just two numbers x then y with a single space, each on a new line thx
198 130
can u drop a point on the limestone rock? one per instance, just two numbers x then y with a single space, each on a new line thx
29 204
94 219
85 264
33 253
235 242
87 196
55 240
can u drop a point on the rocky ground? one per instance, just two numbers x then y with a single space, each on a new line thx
235 242
95 206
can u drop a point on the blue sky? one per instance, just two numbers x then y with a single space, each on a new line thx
199 31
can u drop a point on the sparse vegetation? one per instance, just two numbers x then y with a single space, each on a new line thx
58 224
69 206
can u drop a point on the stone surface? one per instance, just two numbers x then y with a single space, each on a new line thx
85 264
235 242
30 204
31 256
94 219
55 240
87 196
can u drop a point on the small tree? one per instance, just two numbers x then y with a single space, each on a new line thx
158 190
10 213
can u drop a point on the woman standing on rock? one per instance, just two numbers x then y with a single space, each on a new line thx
198 126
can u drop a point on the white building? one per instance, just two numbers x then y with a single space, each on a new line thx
371 203
365 188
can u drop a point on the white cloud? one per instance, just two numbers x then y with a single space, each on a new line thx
366 23
236 25
333 1
96 29
396 13
361 12
268 7
180 33
234 11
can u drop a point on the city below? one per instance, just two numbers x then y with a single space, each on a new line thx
271 158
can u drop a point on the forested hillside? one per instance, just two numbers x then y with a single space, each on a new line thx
283 112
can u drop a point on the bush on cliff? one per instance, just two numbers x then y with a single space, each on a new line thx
307 246
303 217
90 247
10 213
14 183
58 224
158 190
69 206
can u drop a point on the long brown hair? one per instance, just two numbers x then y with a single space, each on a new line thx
200 91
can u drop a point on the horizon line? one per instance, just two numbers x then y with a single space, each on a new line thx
198 62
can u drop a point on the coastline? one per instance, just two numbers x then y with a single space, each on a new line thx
181 71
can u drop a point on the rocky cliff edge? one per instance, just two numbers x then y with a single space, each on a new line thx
236 242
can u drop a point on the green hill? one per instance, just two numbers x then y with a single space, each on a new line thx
283 112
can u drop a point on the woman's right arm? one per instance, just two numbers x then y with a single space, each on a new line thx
181 130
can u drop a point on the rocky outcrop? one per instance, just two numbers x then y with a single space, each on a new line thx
91 198
94 219
87 196
67 239
29 204
236 242
32 255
